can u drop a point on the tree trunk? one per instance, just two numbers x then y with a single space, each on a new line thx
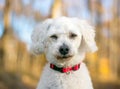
7 15
56 10
9 43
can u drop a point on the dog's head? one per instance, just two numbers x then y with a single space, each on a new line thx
63 39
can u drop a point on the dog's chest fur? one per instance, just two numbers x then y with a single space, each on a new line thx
52 79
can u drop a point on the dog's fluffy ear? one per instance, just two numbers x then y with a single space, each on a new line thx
38 37
88 43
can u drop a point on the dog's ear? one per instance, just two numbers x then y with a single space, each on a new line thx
38 37
88 43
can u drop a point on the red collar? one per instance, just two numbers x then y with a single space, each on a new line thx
65 69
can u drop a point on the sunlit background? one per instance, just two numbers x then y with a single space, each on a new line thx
21 70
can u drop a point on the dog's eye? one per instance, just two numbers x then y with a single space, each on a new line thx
54 37
73 35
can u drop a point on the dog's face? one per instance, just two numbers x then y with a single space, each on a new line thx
63 40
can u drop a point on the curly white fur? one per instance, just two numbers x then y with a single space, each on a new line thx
43 42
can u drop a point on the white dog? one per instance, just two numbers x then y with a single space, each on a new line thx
64 41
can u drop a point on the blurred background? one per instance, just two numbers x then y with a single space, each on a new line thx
21 70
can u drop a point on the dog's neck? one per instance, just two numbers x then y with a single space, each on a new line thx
74 61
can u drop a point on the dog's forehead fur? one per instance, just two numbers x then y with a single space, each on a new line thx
59 26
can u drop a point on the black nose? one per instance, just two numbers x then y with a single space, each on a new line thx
64 49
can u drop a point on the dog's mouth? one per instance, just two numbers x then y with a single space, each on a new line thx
68 57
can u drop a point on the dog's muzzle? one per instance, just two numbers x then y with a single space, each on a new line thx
64 53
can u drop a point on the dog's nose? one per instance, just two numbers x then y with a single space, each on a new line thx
64 49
